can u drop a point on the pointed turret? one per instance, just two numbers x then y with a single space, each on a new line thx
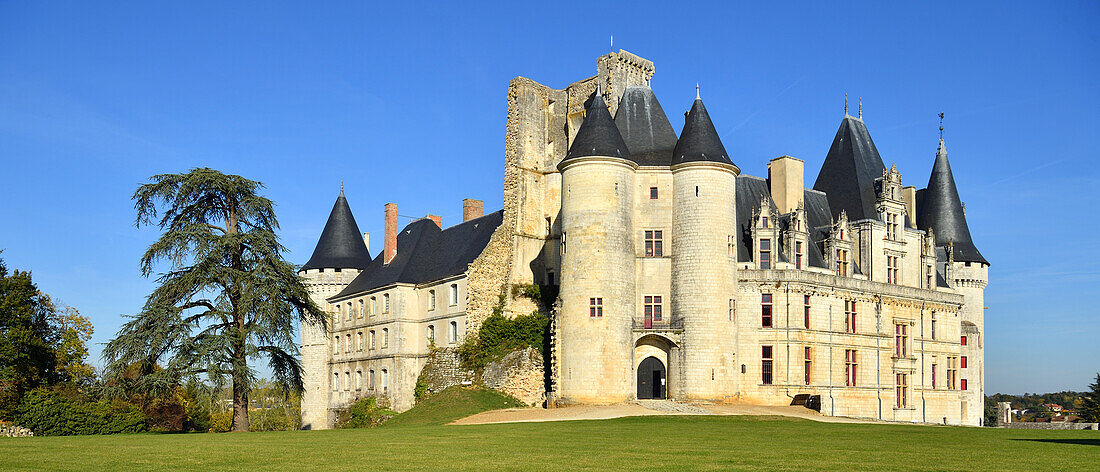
848 174
341 245
645 127
699 141
598 135
941 210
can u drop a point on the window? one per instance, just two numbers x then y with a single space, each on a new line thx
372 344
431 334
849 316
808 361
386 303
903 390
764 222
952 372
798 254
347 381
347 310
431 299
595 307
766 365
370 380
766 310
928 277
653 193
733 309
842 262
654 243
358 380
373 306
359 341
563 239
385 337
933 328
335 381
385 380
347 344
901 340
962 340
892 226
454 332
962 362
892 270
851 367
653 308
336 344
765 254
361 308
933 376
454 294
806 311
962 386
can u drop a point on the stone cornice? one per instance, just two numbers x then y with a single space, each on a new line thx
901 294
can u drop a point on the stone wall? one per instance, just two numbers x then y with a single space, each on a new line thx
444 369
519 374
15 432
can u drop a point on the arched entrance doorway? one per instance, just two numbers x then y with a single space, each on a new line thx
651 378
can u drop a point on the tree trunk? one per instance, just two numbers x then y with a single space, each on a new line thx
240 407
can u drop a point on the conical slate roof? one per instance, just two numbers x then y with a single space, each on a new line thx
941 210
598 135
848 174
645 127
341 245
699 141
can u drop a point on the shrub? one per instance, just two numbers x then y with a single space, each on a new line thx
50 413
499 335
364 413
221 422
274 419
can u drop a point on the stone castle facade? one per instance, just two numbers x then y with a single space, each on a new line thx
679 277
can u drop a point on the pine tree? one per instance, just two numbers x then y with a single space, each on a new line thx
229 297
1090 403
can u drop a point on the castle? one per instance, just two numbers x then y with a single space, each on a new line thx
678 276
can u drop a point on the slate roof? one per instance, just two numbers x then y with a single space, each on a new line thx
426 253
699 140
598 135
940 208
341 245
750 191
645 127
849 172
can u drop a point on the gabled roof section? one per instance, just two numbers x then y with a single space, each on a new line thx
751 191
848 174
645 127
341 245
699 141
941 209
598 135
426 254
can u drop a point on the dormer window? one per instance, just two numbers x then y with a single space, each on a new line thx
842 262
798 254
764 222
765 253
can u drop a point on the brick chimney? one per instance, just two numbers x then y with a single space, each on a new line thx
366 241
472 209
391 233
437 220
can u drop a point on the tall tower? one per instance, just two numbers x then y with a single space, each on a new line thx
704 256
339 256
965 269
597 263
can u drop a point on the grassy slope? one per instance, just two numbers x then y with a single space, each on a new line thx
453 403
644 443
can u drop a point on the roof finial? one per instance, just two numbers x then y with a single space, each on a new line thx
341 188
697 90
612 43
845 104
941 126
861 108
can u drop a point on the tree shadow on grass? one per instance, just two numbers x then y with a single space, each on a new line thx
1083 442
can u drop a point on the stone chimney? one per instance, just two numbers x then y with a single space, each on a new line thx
786 182
366 241
391 233
472 209
437 220
909 194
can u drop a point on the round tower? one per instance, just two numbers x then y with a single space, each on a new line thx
339 256
597 264
704 256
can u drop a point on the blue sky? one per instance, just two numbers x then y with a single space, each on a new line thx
406 103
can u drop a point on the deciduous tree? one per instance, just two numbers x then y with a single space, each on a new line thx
228 296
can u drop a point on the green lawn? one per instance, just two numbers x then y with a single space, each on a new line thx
644 443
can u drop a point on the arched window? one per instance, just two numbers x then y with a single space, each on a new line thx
335 381
347 311
347 381
370 379
454 294
431 333
385 380
373 306
454 332
431 299
372 344
358 380
361 308
385 337
347 343
386 303
359 341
